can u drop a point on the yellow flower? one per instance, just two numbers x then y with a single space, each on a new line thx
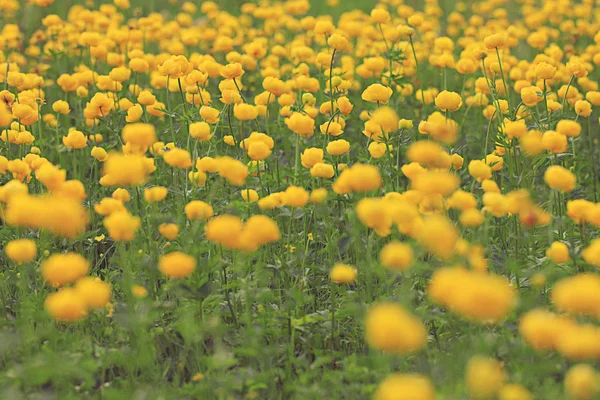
179 158
198 210
176 265
124 170
545 71
155 194
139 135
531 96
75 139
200 131
338 147
21 250
249 195
322 170
582 382
568 128
390 328
169 231
405 387
66 305
484 377
61 107
318 196
471 217
482 297
578 294
558 252
61 269
559 178
225 230
396 256
139 291
122 226
197 377
377 93
99 154
480 170
448 101
301 124
209 114
232 71
295 196
94 292
245 112
343 274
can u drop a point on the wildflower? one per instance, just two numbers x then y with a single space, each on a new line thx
545 71
390 328
179 158
99 154
200 131
435 182
224 230
176 265
21 250
62 269
377 93
169 231
583 108
301 124
260 230
139 291
541 328
439 236
322 170
578 294
245 112
139 135
396 256
209 114
198 210
66 305
343 274
530 96
448 101
155 194
61 215
75 139
233 170
295 196
559 178
249 195
61 107
582 382
122 226
484 377
311 156
94 292
486 298
471 218
338 147
405 387
480 170
318 196
374 215
558 253
125 170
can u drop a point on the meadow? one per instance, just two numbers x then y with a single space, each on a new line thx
299 199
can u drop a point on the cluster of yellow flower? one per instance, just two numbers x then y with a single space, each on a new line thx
457 143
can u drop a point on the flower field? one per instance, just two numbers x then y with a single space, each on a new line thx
300 199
